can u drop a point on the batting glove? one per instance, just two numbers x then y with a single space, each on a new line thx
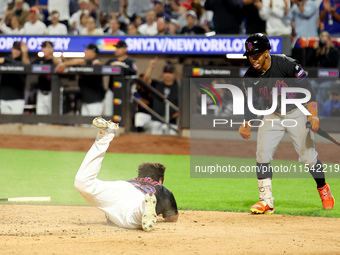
244 131
313 118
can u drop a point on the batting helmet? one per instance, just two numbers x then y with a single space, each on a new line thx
256 43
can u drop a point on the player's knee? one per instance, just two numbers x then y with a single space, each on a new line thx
263 158
308 161
80 185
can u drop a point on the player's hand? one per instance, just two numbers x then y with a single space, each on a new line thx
24 48
244 131
96 62
59 68
153 62
313 118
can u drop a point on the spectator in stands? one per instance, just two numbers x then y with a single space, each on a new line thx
84 17
91 86
331 108
169 88
138 20
34 26
183 8
19 12
150 25
75 18
254 23
132 29
227 15
159 10
115 28
104 21
5 5
14 28
91 28
273 13
62 7
162 26
204 18
12 88
192 28
326 55
110 7
304 15
44 95
137 8
56 28
174 27
329 14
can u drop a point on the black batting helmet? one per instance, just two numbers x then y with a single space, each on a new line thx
256 43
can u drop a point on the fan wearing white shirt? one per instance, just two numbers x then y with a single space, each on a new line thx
91 28
56 28
150 26
34 26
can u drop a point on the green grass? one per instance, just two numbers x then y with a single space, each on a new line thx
51 173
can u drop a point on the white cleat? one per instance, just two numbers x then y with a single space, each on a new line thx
149 218
110 126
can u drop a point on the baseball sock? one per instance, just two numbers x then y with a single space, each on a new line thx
317 172
264 171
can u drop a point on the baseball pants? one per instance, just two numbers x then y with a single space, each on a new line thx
120 200
93 109
274 127
12 106
44 103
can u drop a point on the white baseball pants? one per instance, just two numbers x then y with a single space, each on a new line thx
120 200
12 106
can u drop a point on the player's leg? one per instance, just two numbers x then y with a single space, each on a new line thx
268 138
93 109
120 200
12 106
304 144
86 181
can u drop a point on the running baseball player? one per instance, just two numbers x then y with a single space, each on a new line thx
130 204
265 73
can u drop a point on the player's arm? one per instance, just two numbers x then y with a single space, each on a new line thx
325 7
132 69
148 72
71 62
312 105
24 52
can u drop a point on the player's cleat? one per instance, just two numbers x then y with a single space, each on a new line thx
149 218
261 208
101 123
326 197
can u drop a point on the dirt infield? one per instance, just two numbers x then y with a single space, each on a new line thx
84 230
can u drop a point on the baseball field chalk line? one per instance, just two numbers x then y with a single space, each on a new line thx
26 199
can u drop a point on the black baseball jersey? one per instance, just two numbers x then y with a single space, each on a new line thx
283 72
131 68
166 203
44 80
91 87
12 85
170 92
